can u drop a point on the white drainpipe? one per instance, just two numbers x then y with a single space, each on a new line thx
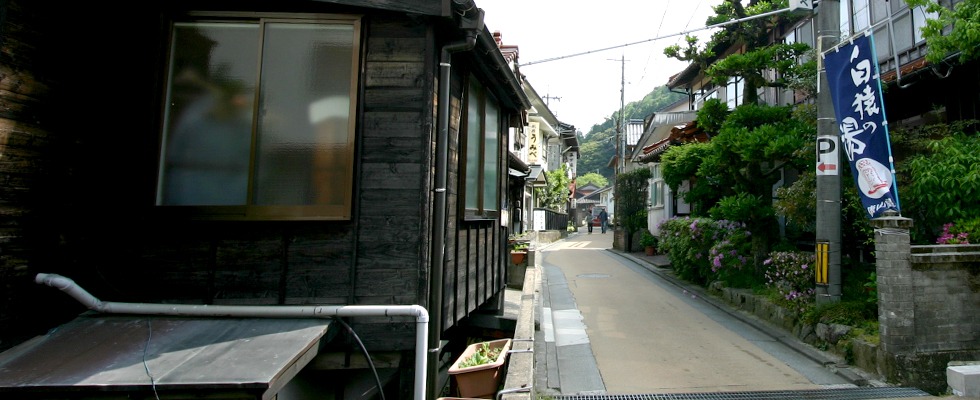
312 311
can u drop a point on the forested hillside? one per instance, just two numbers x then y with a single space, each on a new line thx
598 145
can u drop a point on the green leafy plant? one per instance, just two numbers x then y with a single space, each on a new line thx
519 241
871 289
942 175
483 355
647 239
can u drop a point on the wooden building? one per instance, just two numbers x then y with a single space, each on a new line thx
339 152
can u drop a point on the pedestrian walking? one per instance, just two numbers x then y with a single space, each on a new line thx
590 220
603 219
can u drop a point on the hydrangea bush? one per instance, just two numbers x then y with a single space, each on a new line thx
730 254
704 250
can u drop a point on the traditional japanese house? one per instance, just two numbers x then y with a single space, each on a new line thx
229 158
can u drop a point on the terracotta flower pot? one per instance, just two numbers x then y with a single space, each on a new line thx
480 381
518 257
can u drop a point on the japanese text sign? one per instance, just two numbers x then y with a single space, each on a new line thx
852 74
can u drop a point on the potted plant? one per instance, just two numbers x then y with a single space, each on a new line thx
519 244
649 243
518 252
478 370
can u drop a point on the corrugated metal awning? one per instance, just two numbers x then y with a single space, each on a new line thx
99 353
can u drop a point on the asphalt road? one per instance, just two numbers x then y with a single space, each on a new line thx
610 325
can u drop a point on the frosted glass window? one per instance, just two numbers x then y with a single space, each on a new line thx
482 158
474 150
491 143
259 117
656 186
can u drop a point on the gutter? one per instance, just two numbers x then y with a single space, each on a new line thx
471 21
312 311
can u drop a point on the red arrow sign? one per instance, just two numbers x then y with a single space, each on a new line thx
826 167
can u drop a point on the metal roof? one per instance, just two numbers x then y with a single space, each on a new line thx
96 353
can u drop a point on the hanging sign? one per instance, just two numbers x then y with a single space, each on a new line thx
852 74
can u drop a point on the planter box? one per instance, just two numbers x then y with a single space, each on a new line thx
480 381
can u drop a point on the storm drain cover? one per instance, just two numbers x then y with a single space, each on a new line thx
818 394
593 276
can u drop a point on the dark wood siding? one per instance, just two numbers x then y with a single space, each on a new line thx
79 137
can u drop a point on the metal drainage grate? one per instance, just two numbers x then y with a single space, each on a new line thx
817 394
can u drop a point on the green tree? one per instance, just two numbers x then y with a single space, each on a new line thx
555 196
734 173
631 202
760 57
593 178
942 184
963 36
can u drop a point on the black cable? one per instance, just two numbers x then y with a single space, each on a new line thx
366 355
149 335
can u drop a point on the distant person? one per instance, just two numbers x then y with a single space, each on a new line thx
603 219
590 220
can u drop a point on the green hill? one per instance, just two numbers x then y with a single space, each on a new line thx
598 145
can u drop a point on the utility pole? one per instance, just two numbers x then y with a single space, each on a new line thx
621 123
549 97
828 142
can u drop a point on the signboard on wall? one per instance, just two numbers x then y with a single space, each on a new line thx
532 142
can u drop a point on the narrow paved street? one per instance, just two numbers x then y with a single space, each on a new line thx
610 325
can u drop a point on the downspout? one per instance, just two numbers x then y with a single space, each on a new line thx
312 311
471 20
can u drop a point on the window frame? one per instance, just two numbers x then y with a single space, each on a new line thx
484 208
657 191
250 210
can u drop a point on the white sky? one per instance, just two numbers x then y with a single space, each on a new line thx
589 85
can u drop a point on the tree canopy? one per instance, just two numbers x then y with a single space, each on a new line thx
593 178
963 36
759 57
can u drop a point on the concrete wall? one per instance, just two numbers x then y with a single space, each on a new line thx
927 302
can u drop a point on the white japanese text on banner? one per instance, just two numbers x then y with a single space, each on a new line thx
852 74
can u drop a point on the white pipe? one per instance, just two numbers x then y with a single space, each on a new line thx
312 311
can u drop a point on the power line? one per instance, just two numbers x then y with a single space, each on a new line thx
726 23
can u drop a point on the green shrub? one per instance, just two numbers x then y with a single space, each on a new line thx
791 275
687 242
702 250
731 254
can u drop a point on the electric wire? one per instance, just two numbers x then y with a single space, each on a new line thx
146 367
367 356
684 32
659 26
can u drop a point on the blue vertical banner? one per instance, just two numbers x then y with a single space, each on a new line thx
855 87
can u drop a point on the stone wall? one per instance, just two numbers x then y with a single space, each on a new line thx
927 302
